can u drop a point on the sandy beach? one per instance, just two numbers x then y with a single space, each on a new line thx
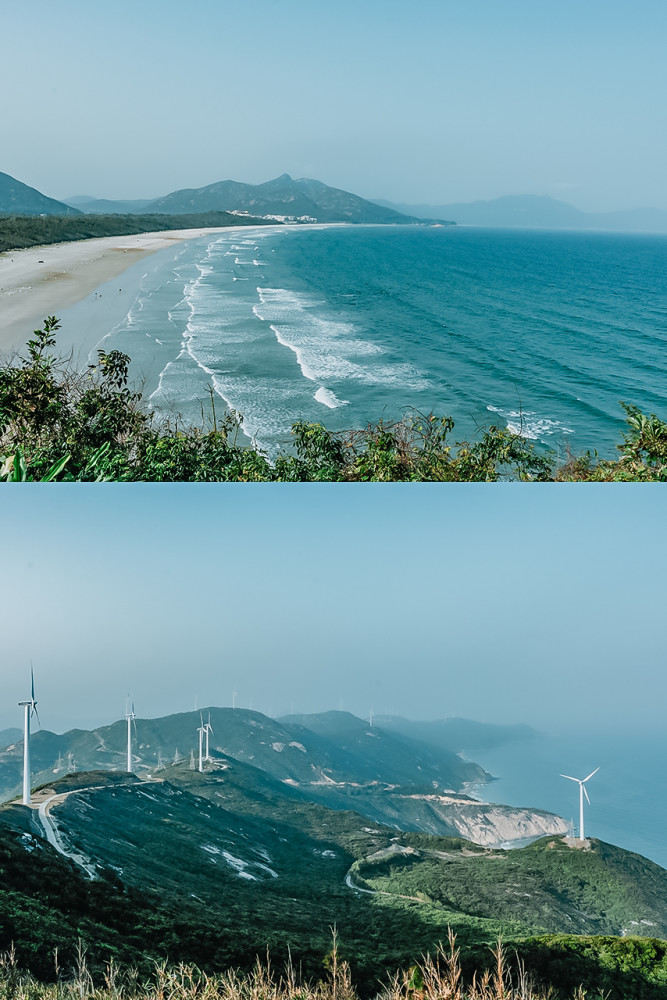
42 281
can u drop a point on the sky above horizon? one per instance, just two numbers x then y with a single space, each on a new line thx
432 101
505 603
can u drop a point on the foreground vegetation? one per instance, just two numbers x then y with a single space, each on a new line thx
20 231
58 423
432 978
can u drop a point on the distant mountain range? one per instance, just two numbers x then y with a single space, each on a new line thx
532 211
283 199
17 198
458 734
332 758
307 200
103 206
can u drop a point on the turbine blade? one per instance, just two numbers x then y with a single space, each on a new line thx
32 682
592 773
585 793
568 776
37 714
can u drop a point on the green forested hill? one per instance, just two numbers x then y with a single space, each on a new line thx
17 198
283 196
549 885
212 867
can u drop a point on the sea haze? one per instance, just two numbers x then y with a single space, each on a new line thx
541 331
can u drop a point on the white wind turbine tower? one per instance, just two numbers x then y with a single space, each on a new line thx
582 791
130 716
208 729
201 730
30 709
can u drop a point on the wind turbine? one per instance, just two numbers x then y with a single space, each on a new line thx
582 791
201 730
30 709
130 716
208 729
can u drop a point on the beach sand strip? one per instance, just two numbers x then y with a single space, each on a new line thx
42 281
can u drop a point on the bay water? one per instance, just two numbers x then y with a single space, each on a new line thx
540 331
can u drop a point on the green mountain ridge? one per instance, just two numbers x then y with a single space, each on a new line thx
336 760
290 752
304 199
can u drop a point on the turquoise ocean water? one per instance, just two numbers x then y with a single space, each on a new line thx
541 331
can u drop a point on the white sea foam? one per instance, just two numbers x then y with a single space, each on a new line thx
329 398
325 348
529 424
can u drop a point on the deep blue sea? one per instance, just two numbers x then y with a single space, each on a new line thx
628 794
541 331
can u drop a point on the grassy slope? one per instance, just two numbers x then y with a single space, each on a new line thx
188 904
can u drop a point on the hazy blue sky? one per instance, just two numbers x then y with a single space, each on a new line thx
513 603
426 101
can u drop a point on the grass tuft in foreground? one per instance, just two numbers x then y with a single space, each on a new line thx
433 978
61 424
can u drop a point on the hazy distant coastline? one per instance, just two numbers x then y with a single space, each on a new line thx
537 212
